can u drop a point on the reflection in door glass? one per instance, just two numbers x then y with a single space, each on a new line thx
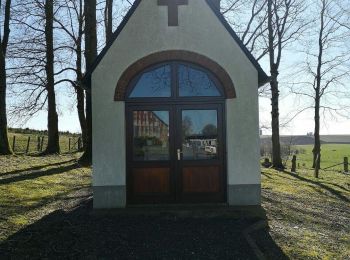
199 134
151 135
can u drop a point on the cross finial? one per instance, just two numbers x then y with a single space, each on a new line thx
173 19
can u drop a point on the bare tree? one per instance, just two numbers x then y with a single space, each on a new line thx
71 23
325 70
90 56
34 55
248 18
53 145
284 26
5 147
266 28
27 56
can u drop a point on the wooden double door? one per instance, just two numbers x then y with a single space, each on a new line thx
175 153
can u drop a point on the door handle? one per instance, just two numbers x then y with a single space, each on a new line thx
179 154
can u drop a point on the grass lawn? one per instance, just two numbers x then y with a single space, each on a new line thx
45 209
32 187
308 217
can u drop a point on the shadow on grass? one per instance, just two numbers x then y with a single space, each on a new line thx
37 174
36 168
136 234
321 185
338 186
267 176
296 212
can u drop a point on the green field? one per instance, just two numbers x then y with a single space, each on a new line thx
331 154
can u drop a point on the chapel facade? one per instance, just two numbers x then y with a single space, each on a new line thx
175 109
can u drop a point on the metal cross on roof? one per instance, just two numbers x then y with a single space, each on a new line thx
173 11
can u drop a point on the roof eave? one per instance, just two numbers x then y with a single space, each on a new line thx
263 79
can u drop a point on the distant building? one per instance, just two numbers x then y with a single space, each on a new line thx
148 124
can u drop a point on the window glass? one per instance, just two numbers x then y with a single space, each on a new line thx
154 83
195 83
199 134
151 135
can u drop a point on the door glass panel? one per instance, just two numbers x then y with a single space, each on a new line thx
195 83
199 134
151 135
154 83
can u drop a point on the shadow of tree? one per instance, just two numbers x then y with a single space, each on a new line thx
297 212
37 174
81 232
321 185
338 186
35 168
266 175
42 204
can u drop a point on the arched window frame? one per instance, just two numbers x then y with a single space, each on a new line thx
168 55
174 65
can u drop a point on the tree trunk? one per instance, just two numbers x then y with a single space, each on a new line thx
5 147
275 125
90 56
276 147
317 143
78 88
81 114
109 20
53 136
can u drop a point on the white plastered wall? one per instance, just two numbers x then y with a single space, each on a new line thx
199 31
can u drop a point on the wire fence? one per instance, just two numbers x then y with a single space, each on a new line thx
294 164
30 144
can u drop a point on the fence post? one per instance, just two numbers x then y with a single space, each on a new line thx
318 164
294 164
14 143
28 142
346 165
38 144
42 143
69 140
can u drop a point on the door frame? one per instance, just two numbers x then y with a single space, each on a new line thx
173 106
221 161
130 163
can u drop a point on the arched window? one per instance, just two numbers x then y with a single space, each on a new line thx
175 80
155 82
194 82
